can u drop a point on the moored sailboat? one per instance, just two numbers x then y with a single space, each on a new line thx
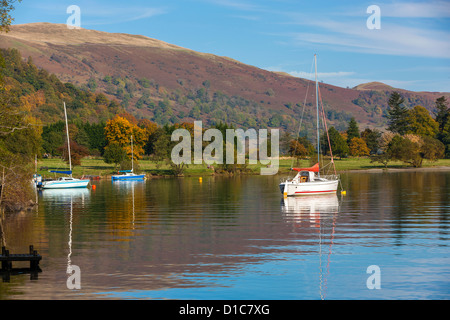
309 181
69 181
128 174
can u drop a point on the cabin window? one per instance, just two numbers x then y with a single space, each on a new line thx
304 176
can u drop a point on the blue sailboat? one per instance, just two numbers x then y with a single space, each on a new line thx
128 175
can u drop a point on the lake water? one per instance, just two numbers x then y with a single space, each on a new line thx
237 238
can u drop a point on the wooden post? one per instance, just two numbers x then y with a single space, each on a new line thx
6 265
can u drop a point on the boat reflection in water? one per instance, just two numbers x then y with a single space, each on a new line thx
313 219
310 207
68 199
127 190
64 196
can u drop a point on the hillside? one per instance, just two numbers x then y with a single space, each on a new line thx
167 83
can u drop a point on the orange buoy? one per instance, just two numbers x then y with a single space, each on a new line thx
94 186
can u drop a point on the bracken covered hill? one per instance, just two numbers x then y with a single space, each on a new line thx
167 83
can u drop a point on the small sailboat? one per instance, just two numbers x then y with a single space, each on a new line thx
128 175
309 181
69 181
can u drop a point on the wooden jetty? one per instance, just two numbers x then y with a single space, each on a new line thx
33 257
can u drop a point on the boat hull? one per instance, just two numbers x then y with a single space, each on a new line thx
128 177
65 184
309 188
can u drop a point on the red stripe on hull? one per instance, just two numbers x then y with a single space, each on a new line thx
316 191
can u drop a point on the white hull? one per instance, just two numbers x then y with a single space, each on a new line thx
64 184
317 187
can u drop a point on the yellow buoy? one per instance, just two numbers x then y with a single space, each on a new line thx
343 192
200 179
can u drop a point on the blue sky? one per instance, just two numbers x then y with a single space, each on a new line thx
411 50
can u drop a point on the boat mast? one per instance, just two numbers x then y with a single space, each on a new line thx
317 111
68 141
132 153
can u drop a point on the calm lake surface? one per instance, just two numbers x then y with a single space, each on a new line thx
237 238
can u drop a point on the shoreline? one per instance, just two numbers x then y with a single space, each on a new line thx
95 169
392 170
281 172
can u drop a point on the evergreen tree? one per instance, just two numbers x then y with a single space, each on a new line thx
397 114
443 120
443 113
339 146
372 139
352 131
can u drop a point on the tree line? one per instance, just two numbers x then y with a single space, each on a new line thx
111 140
412 135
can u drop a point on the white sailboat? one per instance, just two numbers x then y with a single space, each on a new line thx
309 181
69 181
128 174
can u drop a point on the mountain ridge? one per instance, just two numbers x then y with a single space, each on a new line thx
146 72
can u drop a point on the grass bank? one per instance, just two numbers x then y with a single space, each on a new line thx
97 167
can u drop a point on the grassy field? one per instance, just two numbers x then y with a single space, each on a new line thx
97 167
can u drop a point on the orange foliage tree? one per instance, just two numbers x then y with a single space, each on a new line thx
358 147
119 131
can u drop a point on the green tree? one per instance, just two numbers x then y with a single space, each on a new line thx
115 153
443 120
339 145
92 84
444 137
413 149
372 139
421 123
382 157
352 130
443 113
432 149
397 114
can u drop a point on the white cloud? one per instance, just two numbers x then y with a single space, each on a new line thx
429 9
239 5
113 15
321 75
392 38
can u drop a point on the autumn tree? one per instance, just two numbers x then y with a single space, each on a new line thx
19 134
119 130
297 150
358 147
6 6
77 152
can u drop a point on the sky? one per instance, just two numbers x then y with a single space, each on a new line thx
405 44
